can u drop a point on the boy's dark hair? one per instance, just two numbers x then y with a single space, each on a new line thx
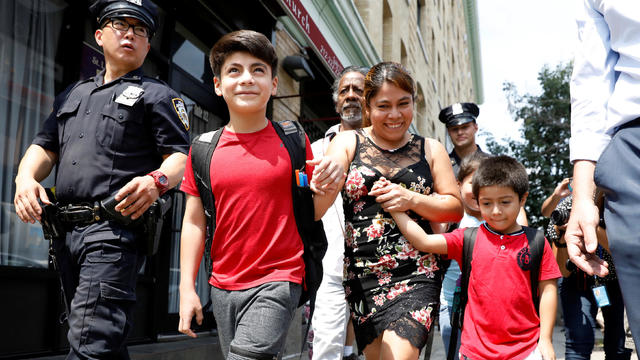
248 41
470 164
501 171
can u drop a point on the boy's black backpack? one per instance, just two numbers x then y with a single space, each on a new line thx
311 231
536 241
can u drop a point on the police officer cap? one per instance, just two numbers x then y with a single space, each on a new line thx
459 113
142 10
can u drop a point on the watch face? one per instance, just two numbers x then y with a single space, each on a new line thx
163 180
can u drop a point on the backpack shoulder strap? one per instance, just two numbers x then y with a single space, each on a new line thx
294 138
469 241
311 232
536 240
460 296
202 149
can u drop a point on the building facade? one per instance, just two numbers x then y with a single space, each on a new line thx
45 45
437 40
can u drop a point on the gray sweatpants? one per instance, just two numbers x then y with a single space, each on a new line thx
253 323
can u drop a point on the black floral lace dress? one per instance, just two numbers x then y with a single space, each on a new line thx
388 284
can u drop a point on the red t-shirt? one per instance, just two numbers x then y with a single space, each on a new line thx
256 238
500 321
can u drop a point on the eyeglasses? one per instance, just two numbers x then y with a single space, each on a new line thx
123 26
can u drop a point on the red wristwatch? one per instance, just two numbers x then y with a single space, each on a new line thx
161 180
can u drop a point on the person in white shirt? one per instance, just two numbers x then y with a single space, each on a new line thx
331 313
605 143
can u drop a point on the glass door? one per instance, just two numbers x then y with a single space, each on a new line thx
191 76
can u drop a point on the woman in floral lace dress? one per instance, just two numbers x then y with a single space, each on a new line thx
392 289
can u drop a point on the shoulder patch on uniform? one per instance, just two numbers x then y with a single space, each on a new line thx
181 110
206 137
288 127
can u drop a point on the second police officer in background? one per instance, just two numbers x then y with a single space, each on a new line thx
460 120
120 133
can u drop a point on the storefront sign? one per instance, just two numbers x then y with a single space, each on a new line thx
298 12
92 61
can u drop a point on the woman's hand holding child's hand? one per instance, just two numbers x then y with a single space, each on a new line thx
379 184
391 197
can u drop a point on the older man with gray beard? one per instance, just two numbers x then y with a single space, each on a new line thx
331 313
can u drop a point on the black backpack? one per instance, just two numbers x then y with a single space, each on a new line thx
311 231
536 240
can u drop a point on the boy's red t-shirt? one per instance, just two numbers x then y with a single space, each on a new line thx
256 238
500 321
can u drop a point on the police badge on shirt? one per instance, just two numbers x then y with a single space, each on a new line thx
130 95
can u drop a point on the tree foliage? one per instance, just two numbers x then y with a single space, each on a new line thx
546 130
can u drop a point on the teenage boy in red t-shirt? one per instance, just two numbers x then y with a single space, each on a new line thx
256 249
500 320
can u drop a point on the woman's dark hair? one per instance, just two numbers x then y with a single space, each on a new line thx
248 41
380 74
501 171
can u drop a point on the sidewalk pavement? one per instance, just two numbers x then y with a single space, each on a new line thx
207 347
437 351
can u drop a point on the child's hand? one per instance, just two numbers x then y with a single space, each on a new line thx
381 183
546 349
392 197
379 187
327 174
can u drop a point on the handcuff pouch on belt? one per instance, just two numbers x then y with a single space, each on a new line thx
52 227
56 217
150 222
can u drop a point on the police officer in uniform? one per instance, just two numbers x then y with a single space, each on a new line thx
460 120
121 133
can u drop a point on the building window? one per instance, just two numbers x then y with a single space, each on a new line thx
421 112
403 55
432 45
30 34
387 33
191 54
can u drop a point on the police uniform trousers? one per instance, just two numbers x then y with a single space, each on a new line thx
618 174
99 265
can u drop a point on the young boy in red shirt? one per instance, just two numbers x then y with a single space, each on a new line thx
258 268
500 320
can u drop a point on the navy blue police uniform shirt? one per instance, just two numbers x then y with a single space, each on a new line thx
105 135
455 160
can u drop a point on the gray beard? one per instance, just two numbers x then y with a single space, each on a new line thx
353 119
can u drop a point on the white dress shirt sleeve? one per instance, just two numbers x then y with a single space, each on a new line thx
592 84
